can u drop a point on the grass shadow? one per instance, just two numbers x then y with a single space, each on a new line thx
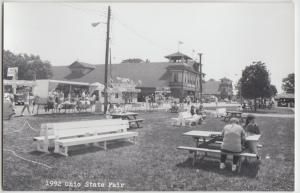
83 149
248 169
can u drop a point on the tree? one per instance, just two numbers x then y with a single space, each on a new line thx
288 83
272 90
255 82
29 67
133 60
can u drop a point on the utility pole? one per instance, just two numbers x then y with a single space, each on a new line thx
200 66
106 61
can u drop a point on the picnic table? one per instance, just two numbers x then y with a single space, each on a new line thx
130 116
208 137
205 139
231 114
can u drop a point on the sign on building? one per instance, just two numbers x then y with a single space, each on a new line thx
13 72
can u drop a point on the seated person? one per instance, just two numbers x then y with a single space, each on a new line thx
251 128
200 111
194 114
118 109
233 137
174 107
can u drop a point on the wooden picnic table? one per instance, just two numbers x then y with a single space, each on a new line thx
209 137
205 138
131 116
231 114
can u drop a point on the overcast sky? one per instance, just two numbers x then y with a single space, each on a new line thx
230 35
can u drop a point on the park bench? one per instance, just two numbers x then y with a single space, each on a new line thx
195 150
66 134
185 118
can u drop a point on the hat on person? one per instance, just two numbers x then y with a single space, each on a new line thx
234 120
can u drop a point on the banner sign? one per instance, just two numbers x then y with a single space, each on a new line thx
12 72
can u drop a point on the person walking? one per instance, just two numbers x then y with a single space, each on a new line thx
26 103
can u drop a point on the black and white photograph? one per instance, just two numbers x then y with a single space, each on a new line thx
148 96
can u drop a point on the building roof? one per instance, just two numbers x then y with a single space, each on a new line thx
150 74
81 65
211 87
177 56
285 95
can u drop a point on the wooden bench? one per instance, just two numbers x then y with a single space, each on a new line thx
216 151
185 118
136 121
61 145
55 133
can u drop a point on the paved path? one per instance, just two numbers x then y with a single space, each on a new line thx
263 115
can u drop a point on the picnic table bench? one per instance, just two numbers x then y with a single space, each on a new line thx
206 141
65 134
130 116
233 114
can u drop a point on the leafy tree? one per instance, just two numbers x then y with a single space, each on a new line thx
133 60
255 82
272 90
288 83
29 67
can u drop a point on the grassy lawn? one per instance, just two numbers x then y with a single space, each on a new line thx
151 164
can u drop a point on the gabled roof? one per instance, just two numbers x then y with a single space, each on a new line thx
150 74
177 56
81 65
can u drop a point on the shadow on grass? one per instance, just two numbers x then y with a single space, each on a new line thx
82 149
248 169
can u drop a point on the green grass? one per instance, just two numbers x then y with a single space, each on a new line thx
153 163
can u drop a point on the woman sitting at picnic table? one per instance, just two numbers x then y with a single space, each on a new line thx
251 128
233 137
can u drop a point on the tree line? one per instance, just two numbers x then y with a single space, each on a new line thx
30 67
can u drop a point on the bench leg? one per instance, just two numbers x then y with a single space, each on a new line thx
239 165
104 145
137 124
194 158
66 151
44 147
56 148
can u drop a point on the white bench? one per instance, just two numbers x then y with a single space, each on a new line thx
185 118
80 132
215 151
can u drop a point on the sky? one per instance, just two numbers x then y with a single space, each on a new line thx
230 35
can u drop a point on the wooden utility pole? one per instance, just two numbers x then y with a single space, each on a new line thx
106 61
200 70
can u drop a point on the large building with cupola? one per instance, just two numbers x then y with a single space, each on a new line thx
179 76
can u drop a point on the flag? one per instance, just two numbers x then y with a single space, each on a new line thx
180 42
95 24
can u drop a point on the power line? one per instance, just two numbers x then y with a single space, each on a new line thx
138 34
86 10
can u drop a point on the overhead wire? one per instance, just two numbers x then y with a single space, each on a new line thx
138 34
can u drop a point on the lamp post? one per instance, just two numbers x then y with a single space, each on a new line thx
106 58
200 71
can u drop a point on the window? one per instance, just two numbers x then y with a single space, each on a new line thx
175 77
